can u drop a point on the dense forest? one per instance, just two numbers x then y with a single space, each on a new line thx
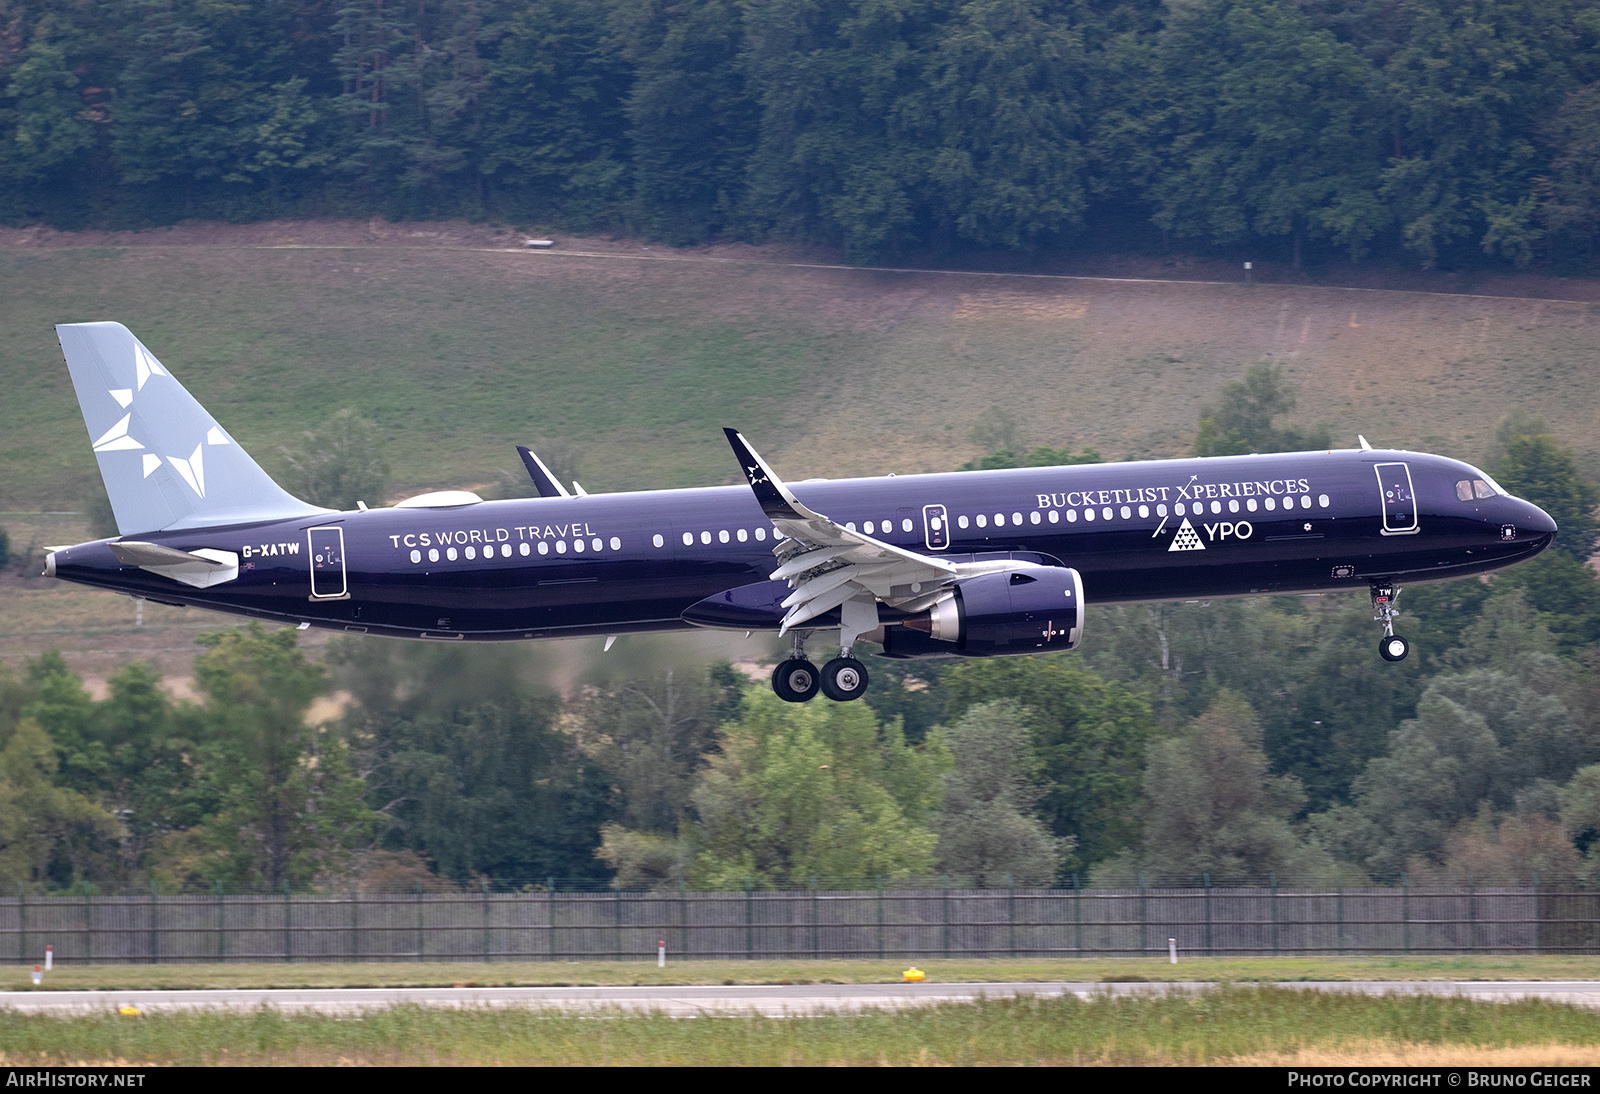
1236 740
1436 132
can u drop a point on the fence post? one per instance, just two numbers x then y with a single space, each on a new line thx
815 924
749 923
155 927
22 922
1077 915
1472 912
1538 920
222 924
1405 910
1338 884
683 917
1144 924
288 911
944 902
878 880
1209 952
88 925
485 883
616 919
355 922
550 891
1274 877
1011 913
421 944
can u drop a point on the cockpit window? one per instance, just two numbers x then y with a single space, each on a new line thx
1480 488
1496 487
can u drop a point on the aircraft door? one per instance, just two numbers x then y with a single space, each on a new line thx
1399 499
327 563
935 527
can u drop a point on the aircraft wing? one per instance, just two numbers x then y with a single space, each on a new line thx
829 565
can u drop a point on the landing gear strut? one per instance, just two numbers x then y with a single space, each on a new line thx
1391 646
797 680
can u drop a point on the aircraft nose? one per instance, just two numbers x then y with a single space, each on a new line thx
1534 519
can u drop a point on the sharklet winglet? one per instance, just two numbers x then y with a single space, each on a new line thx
777 501
549 486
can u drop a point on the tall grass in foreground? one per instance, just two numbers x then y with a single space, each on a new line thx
1220 1025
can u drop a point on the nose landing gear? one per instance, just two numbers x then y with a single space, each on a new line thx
1391 647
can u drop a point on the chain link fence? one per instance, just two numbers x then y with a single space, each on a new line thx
818 922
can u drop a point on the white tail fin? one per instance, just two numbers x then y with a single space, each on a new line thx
166 462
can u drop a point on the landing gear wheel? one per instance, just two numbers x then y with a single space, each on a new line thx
795 680
844 679
1393 647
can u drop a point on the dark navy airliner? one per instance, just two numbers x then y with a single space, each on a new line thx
973 564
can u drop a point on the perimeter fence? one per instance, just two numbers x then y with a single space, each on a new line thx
815 923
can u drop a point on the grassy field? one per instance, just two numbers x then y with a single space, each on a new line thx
610 973
1231 1025
461 353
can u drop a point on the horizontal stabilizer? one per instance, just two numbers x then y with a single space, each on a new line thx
201 568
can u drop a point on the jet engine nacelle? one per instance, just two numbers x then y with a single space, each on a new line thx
1027 609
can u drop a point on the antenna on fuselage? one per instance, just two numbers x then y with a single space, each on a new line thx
1365 447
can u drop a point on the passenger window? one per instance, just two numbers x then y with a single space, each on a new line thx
1482 488
1463 490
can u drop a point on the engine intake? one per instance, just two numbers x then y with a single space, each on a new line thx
1027 609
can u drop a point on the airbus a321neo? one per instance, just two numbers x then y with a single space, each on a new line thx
974 564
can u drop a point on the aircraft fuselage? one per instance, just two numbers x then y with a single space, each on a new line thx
636 562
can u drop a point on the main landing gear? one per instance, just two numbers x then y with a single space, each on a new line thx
1391 646
797 680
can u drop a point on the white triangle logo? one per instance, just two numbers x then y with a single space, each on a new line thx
1186 538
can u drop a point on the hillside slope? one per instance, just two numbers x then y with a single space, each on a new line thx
638 356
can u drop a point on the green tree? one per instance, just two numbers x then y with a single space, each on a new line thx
1537 468
1274 129
61 707
554 113
1211 807
649 736
492 789
691 124
53 127
1091 737
340 463
818 790
1569 205
47 833
1241 422
288 804
149 778
988 830
1439 767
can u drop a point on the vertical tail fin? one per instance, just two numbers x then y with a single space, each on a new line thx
166 462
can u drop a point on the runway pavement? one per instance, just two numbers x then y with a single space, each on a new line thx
773 999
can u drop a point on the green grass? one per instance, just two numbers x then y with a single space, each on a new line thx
459 354
939 970
1220 1026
